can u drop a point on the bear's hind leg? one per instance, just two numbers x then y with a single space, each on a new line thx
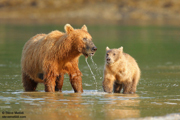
134 84
28 83
59 82
127 88
117 88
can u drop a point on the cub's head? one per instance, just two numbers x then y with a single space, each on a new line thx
113 55
82 40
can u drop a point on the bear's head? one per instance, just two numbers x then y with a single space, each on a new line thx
113 55
81 39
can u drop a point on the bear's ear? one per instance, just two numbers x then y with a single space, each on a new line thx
107 48
121 49
68 28
84 28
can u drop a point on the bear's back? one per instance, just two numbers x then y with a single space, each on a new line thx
129 58
132 64
39 45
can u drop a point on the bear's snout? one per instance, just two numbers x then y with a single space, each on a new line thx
108 59
94 49
89 48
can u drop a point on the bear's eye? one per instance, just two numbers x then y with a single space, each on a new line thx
85 39
114 54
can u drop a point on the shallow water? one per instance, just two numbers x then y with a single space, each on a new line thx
156 49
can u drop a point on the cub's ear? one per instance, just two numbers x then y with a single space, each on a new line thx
84 28
68 28
107 48
121 49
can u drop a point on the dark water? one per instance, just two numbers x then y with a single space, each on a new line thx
156 49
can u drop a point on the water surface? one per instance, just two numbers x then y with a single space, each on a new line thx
156 49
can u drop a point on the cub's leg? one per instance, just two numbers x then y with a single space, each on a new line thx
117 87
59 82
134 83
108 83
28 83
127 88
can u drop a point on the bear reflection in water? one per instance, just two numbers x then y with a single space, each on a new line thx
56 106
67 106
122 106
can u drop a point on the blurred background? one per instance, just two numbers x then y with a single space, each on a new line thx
90 12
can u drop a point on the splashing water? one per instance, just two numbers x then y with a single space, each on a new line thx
94 63
95 66
91 73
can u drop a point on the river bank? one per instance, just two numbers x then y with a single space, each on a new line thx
158 12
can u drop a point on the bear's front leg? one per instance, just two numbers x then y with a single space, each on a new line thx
76 82
74 75
117 87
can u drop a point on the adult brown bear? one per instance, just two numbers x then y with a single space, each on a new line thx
47 57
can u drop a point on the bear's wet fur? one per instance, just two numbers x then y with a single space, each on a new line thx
47 57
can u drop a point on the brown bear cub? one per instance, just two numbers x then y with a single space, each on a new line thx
121 71
47 57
